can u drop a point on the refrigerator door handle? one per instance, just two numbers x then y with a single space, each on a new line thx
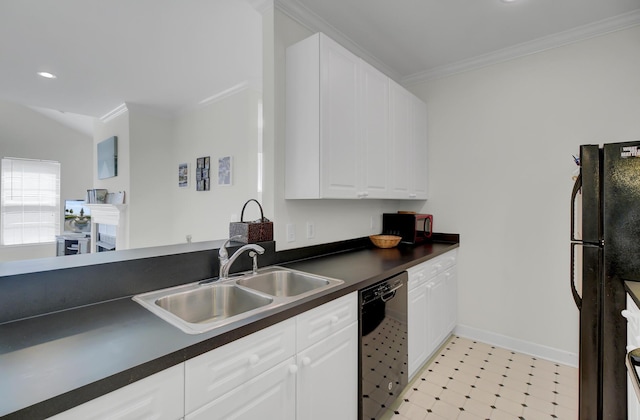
576 188
576 297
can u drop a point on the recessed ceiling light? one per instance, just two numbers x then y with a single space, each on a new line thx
46 75
509 1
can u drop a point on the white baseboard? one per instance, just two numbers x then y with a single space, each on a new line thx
521 346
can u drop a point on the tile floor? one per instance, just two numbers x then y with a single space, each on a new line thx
469 380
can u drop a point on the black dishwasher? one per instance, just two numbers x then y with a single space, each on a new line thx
383 345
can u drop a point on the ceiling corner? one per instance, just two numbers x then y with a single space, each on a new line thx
580 33
307 18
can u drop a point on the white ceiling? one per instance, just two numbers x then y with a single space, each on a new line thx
171 55
413 40
164 54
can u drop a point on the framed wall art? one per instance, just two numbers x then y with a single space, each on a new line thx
108 158
225 171
183 175
203 167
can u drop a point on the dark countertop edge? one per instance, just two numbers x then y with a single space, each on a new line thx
633 289
111 383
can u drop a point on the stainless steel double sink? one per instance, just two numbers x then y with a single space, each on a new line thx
199 307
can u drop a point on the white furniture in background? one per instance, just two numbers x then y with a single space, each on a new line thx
432 307
351 131
159 397
72 243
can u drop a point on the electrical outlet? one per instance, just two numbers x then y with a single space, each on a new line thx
311 230
372 224
291 232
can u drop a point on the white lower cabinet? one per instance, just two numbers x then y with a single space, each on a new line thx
159 396
220 371
432 307
303 368
270 395
327 385
417 328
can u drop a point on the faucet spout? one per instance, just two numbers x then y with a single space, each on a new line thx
225 264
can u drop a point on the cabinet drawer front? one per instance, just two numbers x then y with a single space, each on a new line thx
316 324
159 396
212 374
417 275
268 396
445 262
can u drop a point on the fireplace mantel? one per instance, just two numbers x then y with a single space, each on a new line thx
109 214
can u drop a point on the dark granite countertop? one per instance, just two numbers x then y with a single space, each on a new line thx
54 362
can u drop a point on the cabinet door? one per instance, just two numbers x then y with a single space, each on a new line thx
401 125
268 396
451 302
417 327
374 105
419 154
339 137
218 371
436 314
159 396
327 386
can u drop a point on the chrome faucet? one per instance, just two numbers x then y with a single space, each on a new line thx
226 262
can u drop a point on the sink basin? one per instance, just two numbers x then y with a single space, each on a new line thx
211 303
281 282
199 307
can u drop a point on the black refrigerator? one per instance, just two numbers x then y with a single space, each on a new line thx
605 236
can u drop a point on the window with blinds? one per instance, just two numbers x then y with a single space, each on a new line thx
29 201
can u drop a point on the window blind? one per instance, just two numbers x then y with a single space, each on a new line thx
29 201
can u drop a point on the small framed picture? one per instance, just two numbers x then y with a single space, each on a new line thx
202 174
225 171
183 175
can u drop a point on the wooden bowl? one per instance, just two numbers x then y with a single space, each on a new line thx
385 241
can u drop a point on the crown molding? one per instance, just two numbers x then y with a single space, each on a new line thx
571 36
224 94
307 18
114 113
261 5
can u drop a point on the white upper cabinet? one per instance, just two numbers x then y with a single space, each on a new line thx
420 152
408 145
374 101
340 141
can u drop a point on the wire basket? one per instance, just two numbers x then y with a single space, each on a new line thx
385 241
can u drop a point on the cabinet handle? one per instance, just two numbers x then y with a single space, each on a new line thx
293 369
412 196
306 361
334 320
254 359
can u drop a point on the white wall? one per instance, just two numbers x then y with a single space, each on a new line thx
25 133
501 140
334 220
152 175
228 127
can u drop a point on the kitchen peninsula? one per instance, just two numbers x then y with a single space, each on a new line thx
56 361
